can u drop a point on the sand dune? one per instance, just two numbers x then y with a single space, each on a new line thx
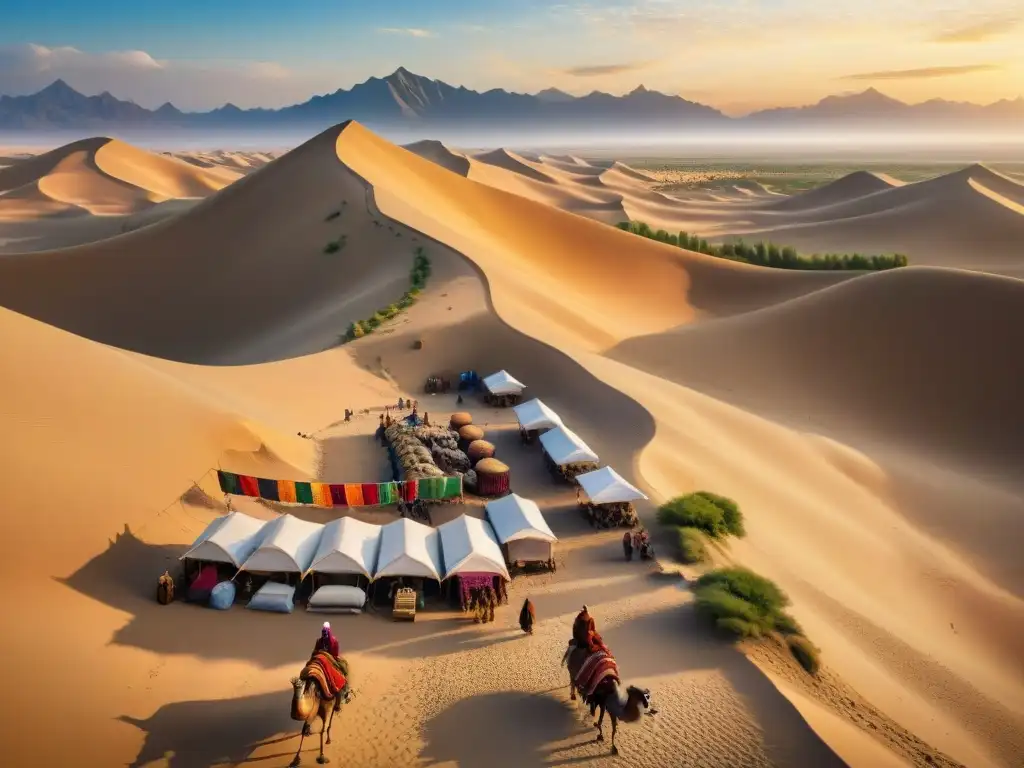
853 186
456 162
867 425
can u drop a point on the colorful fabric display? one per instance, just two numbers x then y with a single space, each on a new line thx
452 488
322 495
286 491
354 494
370 497
268 489
303 492
229 482
249 486
410 490
387 493
338 498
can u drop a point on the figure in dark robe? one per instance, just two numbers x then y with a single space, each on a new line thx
627 545
327 641
526 617
583 627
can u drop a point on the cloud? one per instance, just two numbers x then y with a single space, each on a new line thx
601 70
189 85
410 31
923 73
979 31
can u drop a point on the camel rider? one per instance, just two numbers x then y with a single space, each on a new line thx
327 641
582 628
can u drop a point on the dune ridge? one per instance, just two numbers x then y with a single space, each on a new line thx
655 355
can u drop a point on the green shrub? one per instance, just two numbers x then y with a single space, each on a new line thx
805 652
332 247
691 546
356 331
333 215
743 603
767 254
747 585
731 515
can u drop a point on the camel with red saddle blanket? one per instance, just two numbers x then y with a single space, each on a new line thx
319 690
594 674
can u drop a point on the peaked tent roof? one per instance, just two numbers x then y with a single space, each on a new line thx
228 539
287 546
348 545
566 447
606 486
502 383
533 414
514 518
408 548
469 545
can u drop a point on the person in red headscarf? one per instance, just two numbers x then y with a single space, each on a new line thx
327 641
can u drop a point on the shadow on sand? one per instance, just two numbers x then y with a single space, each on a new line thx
188 734
478 732
678 640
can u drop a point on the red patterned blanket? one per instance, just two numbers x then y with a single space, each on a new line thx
597 667
327 671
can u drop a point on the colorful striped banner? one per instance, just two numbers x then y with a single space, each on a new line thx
340 494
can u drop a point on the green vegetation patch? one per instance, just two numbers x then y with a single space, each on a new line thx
691 546
717 516
767 254
417 282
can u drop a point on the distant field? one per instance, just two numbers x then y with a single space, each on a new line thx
784 178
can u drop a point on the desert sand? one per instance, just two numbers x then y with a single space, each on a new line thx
867 425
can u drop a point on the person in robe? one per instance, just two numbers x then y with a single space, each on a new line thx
526 617
327 641
583 627
627 545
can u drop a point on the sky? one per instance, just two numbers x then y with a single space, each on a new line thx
736 55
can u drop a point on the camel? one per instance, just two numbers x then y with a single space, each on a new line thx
307 706
607 697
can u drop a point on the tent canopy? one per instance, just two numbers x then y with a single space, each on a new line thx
533 414
228 539
515 518
287 546
470 546
566 447
408 548
502 383
606 486
348 546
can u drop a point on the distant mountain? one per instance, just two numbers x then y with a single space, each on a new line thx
405 99
874 107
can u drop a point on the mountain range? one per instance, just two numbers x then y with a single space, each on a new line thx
410 100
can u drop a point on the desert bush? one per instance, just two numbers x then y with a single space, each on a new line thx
805 652
752 604
356 331
767 254
691 546
417 279
716 515
332 247
333 215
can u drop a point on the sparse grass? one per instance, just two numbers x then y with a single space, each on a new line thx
691 546
746 605
418 276
336 245
767 254
715 515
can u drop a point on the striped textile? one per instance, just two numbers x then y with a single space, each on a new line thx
452 488
387 493
322 495
371 496
286 491
410 490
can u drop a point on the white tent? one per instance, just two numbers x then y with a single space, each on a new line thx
501 383
408 548
228 539
533 414
606 486
520 526
566 447
288 545
348 546
469 545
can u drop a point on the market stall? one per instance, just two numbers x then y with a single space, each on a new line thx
502 390
534 417
522 531
410 554
610 498
566 454
472 557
